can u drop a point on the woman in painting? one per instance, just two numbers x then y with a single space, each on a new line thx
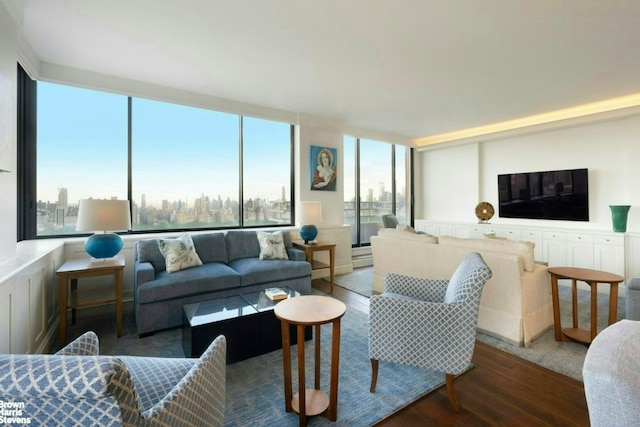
324 177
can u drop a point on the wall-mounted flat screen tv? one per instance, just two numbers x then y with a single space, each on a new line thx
555 195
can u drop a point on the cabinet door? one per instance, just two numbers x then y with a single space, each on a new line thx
609 254
554 245
37 313
580 250
6 289
426 226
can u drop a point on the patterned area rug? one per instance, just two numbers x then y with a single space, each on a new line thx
566 358
255 390
359 281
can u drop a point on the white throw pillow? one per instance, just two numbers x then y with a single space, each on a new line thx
272 245
179 253
407 228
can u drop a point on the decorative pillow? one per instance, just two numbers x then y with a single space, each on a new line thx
407 228
272 245
179 253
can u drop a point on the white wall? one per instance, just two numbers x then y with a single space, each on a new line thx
324 136
451 187
8 148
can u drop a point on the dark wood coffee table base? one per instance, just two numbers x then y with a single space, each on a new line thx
248 334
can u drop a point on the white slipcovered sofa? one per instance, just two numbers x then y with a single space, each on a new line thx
516 303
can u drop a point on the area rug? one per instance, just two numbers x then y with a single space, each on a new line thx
565 358
255 387
359 281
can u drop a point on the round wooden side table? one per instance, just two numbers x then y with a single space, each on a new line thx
592 278
302 311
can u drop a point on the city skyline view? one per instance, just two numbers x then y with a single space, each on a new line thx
84 134
185 165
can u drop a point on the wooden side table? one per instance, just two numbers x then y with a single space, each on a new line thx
310 248
592 278
75 269
303 311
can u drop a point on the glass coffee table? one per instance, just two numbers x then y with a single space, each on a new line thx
246 320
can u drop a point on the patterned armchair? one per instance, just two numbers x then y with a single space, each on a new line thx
77 387
428 323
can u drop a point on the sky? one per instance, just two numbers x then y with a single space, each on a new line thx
179 152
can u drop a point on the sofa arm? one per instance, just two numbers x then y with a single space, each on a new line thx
296 254
86 344
143 272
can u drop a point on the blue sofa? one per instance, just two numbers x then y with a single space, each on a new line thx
231 266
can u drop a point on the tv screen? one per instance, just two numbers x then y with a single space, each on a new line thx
555 195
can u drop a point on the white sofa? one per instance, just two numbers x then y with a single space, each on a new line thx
516 303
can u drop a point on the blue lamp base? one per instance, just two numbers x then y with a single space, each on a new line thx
308 232
103 245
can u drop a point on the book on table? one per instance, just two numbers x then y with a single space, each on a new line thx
275 294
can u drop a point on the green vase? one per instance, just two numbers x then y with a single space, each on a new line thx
619 217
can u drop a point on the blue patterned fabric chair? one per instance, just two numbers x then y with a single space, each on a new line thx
428 323
77 387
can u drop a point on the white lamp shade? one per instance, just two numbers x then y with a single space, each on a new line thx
311 213
103 215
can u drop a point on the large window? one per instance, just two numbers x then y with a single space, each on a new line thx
82 153
185 167
181 167
267 175
375 185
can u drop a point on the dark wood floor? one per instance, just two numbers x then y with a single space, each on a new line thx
501 390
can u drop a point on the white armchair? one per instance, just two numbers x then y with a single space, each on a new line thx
428 323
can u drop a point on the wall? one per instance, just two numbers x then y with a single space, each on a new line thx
324 136
454 179
7 136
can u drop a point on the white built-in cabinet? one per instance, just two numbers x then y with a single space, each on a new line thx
617 253
28 298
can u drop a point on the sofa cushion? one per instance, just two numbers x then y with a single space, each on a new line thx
407 235
206 278
211 247
272 245
255 271
148 251
522 249
242 244
179 253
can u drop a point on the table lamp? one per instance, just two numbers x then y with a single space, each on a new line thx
105 216
311 214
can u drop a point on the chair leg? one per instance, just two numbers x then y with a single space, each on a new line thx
374 375
452 394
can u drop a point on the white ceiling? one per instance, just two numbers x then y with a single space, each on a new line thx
408 67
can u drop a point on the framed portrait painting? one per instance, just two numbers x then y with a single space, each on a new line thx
323 168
